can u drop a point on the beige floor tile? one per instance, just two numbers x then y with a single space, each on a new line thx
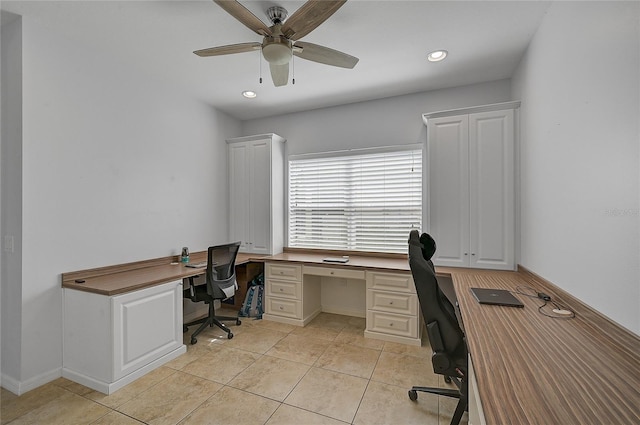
194 352
222 364
132 390
12 406
328 393
412 350
256 340
289 415
316 332
274 326
67 409
349 359
116 418
355 336
385 404
299 349
404 370
270 377
331 321
231 406
170 401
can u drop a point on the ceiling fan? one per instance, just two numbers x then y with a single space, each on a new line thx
280 40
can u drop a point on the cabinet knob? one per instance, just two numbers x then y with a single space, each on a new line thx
390 302
473 253
466 253
281 308
390 325
281 289
332 272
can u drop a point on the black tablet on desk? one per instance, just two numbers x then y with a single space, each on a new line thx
496 297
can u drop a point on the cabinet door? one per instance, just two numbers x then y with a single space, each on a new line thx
492 190
147 324
239 193
449 189
259 194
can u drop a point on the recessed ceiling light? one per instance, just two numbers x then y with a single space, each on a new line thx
249 94
437 55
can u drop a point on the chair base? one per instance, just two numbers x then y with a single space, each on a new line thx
210 320
461 395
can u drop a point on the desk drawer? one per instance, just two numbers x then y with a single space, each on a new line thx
283 307
390 282
400 303
283 289
392 324
283 271
334 272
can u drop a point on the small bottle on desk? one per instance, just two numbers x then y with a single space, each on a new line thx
184 257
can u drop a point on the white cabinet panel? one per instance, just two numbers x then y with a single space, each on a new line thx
256 197
471 181
109 341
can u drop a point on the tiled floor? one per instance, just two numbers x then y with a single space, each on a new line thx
269 373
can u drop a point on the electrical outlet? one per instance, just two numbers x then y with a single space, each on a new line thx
8 243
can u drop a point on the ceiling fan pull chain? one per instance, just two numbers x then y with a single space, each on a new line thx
260 64
293 69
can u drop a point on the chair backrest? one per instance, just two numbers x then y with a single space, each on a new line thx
446 337
221 268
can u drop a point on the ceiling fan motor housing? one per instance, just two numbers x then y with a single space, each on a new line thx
276 50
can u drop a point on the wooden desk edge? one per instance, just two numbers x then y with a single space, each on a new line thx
116 279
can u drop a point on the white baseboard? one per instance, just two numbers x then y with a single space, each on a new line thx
21 387
111 387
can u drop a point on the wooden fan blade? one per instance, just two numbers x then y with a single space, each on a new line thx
309 17
321 54
229 49
279 74
245 16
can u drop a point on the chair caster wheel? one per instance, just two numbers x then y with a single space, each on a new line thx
229 335
193 341
413 395
447 379
238 322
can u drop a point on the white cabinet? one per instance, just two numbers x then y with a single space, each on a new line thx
393 311
256 184
109 341
471 186
284 293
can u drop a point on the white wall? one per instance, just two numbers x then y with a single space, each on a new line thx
117 167
385 122
579 86
11 193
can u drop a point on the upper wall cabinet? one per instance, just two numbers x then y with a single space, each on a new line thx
471 186
256 179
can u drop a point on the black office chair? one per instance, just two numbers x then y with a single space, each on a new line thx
220 284
445 335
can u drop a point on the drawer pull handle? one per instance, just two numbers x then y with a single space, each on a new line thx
390 325
281 272
390 302
281 308
332 272
281 289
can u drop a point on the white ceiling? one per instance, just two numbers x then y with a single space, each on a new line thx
485 40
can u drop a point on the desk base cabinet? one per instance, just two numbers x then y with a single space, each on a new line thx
109 341
293 296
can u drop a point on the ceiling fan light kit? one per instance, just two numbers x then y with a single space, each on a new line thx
280 41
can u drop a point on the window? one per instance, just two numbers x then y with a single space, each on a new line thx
364 200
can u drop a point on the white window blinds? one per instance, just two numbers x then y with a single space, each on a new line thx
364 201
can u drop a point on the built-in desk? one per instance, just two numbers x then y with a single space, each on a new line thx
294 281
123 321
534 369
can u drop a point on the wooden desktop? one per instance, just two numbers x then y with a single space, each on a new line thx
527 368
